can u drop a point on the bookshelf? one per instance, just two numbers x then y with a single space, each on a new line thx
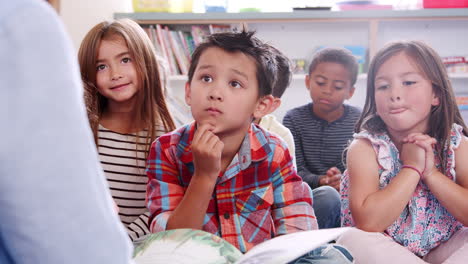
298 34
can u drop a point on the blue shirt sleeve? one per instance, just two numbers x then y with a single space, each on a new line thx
55 206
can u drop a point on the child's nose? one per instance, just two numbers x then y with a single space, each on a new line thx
115 74
327 89
395 94
215 97
215 94
395 98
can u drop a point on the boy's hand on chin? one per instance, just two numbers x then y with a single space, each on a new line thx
207 149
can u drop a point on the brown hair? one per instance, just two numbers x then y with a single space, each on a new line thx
442 116
284 74
151 101
248 44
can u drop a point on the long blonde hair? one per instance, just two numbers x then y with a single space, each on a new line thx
152 109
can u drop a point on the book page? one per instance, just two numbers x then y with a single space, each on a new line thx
285 248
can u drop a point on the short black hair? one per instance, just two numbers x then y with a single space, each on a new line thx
248 44
336 55
284 73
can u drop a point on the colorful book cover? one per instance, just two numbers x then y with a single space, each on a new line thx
299 66
462 102
360 53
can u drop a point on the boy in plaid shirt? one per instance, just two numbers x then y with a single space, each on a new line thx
222 173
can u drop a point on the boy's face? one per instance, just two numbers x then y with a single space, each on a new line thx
329 85
224 91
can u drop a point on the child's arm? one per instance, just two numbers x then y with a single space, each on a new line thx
167 200
452 195
292 207
375 209
206 151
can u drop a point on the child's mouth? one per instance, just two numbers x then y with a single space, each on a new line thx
397 110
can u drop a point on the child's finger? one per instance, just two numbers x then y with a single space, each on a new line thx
336 186
336 170
426 139
332 171
203 134
201 129
218 147
426 145
412 137
336 178
210 141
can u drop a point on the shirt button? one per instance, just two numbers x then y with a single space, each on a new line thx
226 215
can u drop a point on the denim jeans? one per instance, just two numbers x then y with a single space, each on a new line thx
327 206
326 254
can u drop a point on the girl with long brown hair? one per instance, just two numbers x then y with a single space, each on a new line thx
127 111
407 177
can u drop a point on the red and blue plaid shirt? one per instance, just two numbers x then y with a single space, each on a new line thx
259 196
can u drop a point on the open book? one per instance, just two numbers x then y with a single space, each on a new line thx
195 246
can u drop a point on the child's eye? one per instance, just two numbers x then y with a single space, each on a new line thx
206 78
320 83
100 67
407 83
126 60
338 88
235 84
382 87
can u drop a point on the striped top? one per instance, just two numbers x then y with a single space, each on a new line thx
124 163
319 144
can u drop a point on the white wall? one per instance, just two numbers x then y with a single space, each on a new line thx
80 16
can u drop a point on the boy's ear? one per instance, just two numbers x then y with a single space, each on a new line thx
351 92
187 93
307 81
264 105
275 104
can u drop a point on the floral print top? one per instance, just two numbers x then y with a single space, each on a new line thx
424 223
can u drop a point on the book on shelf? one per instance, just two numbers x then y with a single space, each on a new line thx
199 33
182 61
456 64
360 52
154 39
196 246
170 51
299 66
176 44
219 28
164 48
462 102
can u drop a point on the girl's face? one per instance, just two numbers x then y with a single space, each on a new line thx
116 76
403 96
